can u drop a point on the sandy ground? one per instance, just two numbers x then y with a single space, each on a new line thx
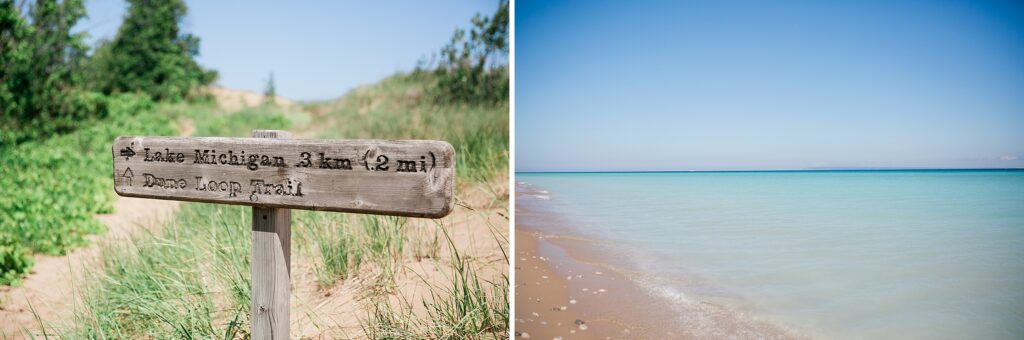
558 297
478 232
543 307
234 100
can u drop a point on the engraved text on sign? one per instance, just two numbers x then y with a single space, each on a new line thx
407 178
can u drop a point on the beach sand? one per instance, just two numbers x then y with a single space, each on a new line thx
565 289
557 298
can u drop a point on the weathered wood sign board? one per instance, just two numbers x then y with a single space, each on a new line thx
407 178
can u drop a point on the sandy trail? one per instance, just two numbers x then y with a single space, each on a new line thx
50 288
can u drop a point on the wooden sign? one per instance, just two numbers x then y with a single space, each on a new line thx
407 178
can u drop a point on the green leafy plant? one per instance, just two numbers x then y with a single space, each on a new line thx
14 260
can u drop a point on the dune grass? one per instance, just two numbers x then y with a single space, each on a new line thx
465 306
189 279
344 246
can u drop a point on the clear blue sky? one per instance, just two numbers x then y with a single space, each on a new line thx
316 49
649 85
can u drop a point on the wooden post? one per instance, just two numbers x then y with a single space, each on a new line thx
271 265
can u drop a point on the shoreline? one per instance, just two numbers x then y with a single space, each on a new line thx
562 280
560 297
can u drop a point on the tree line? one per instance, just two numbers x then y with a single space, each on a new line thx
51 82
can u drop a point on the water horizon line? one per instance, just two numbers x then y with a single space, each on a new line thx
838 169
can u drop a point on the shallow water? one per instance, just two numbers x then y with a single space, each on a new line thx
836 254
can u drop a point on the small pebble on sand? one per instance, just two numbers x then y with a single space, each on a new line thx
598 273
573 301
602 290
526 335
583 327
543 276
535 314
563 307
586 289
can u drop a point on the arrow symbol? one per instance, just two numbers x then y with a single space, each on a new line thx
128 175
127 152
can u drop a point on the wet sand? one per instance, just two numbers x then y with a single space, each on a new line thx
565 290
558 298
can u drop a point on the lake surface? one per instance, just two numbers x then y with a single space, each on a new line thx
835 254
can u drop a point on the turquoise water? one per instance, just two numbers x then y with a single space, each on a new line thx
835 254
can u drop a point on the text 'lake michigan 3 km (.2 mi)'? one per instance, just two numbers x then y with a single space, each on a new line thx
409 178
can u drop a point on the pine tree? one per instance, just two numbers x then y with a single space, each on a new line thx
150 54
269 92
